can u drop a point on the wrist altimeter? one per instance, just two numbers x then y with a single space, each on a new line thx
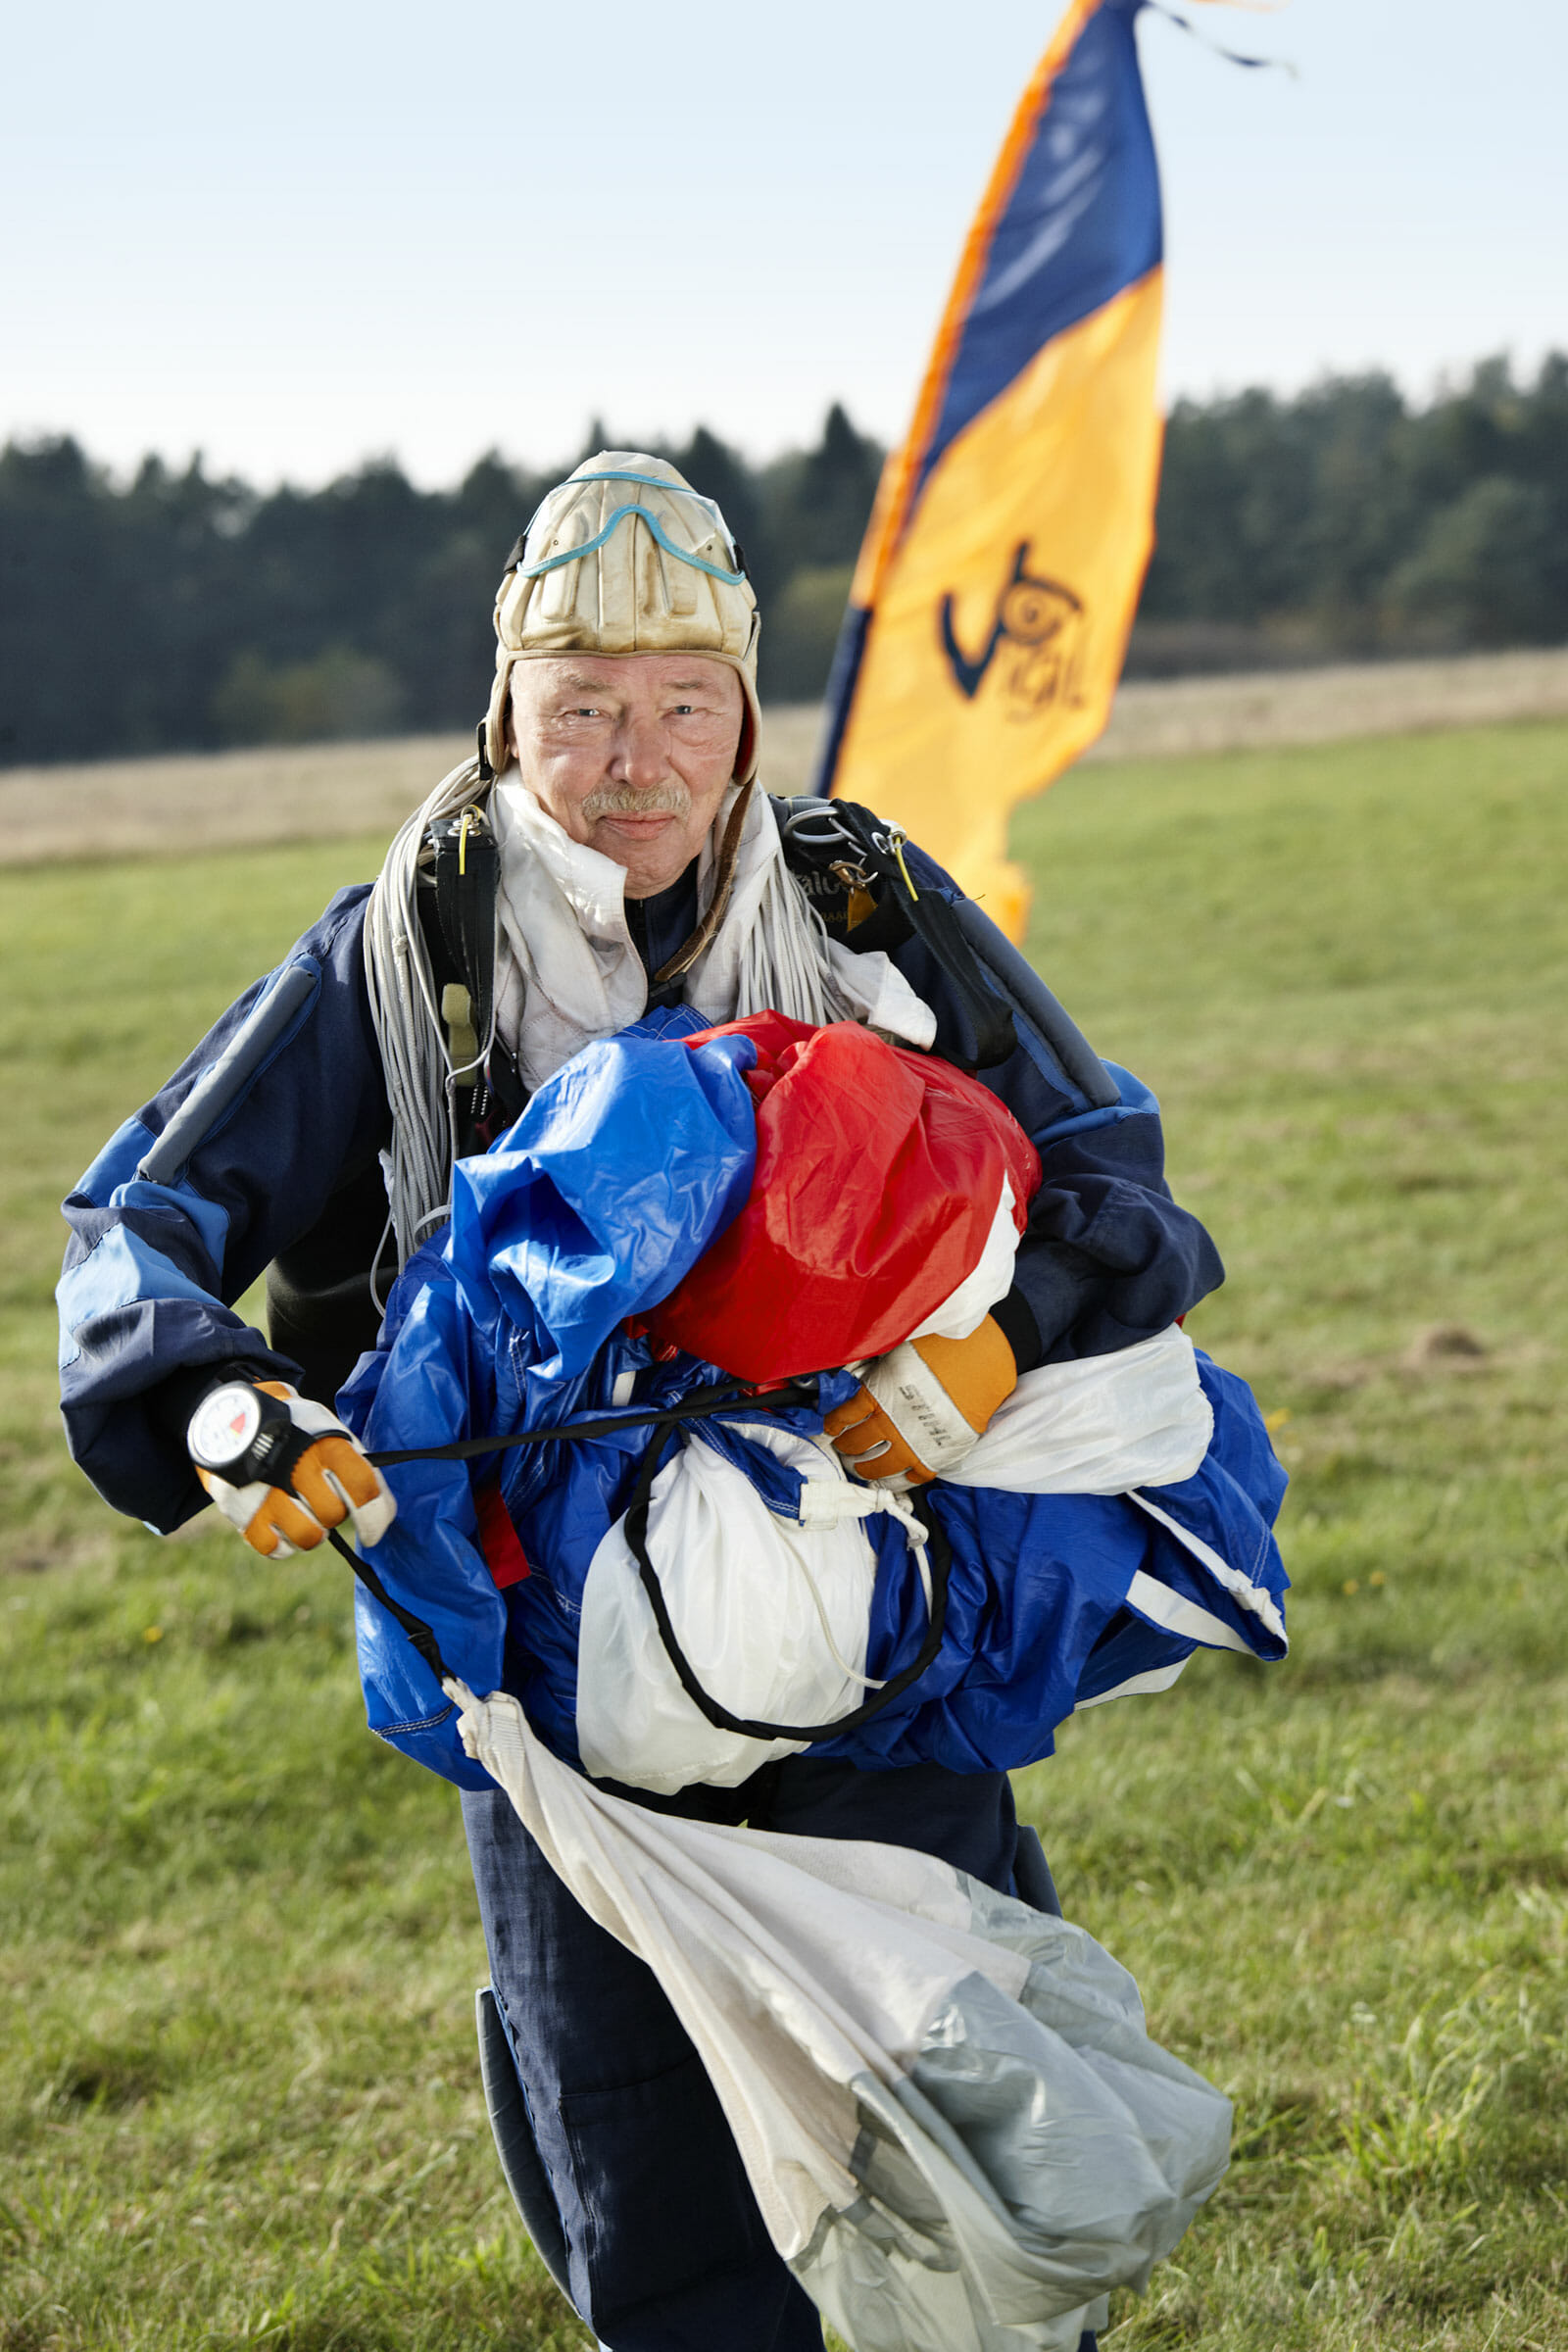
242 1434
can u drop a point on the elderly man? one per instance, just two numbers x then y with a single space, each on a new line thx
608 852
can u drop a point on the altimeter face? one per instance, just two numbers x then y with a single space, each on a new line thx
224 1427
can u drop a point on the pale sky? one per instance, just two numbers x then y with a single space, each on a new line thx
298 236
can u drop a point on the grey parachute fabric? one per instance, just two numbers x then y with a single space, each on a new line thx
957 2128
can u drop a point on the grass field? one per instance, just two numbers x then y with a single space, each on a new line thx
238 2101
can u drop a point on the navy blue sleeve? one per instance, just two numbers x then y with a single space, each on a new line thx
1109 1257
155 1262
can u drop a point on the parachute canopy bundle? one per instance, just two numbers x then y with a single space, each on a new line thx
835 1250
1115 1517
959 2132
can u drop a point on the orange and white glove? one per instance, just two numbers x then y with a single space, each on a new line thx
283 1469
921 1408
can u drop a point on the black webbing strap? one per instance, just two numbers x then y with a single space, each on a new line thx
939 1552
418 1632
467 880
701 1406
842 852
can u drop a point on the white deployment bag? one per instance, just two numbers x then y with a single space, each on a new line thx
956 2124
773 1612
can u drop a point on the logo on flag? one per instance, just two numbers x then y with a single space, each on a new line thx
1038 626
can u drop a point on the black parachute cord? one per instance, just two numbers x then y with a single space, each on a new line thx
701 1406
940 1552
420 1634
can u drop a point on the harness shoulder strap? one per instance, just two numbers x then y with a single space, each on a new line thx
459 890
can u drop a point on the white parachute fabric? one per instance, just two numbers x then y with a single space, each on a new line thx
1098 1424
987 1283
956 2127
773 1613
566 971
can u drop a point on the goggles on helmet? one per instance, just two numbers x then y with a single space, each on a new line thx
683 555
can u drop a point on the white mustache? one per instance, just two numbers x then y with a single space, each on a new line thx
625 799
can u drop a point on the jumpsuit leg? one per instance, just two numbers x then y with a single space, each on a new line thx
666 2250
963 1818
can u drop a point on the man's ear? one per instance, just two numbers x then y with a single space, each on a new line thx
745 742
510 729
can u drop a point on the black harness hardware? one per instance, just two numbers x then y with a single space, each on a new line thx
842 875
457 915
852 867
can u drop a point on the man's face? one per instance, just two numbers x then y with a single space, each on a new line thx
629 753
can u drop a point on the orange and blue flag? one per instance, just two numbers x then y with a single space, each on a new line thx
1002 566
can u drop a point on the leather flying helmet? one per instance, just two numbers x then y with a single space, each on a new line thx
625 557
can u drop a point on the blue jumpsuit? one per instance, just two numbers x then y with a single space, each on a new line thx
665 2246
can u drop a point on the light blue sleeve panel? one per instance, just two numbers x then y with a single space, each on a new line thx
120 1270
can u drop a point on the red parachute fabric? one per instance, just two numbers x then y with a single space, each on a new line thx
878 1177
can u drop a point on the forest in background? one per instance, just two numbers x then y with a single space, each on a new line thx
178 611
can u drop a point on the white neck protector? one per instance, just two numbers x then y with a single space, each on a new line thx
566 971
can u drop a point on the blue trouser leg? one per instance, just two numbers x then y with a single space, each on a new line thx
665 2249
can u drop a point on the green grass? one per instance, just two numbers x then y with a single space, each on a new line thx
238 2101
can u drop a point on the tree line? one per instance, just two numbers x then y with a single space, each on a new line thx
179 610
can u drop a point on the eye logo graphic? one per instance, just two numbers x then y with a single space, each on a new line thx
1038 628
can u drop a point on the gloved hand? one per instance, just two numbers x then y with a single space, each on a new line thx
282 1469
921 1408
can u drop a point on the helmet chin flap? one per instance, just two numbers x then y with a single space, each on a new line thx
625 557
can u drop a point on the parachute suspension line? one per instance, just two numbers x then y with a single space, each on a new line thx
409 1030
786 962
422 1636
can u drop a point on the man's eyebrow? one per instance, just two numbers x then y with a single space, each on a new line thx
581 682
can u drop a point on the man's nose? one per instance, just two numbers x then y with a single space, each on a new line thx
639 758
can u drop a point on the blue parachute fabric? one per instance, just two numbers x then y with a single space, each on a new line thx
1038 1617
449 1382
500 1324
592 1205
607 1189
